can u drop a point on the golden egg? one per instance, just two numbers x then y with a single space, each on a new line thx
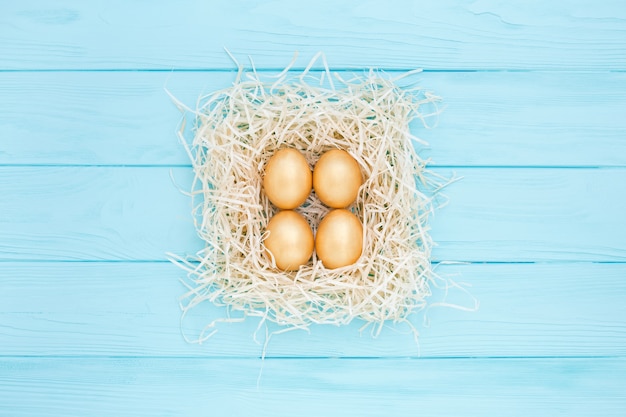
337 178
288 180
290 240
339 239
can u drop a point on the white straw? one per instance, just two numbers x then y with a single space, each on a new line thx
239 128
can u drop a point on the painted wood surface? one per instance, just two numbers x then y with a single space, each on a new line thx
121 308
223 387
447 35
141 213
91 174
488 118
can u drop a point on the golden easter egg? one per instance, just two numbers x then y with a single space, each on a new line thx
290 240
287 180
339 239
337 178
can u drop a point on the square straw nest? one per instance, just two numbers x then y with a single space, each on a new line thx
239 128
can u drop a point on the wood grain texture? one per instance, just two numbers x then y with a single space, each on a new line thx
469 387
534 122
451 34
489 118
122 309
130 213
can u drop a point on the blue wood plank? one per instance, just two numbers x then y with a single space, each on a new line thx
185 387
131 309
489 118
447 34
130 213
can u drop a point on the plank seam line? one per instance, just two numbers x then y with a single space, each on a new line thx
313 358
434 262
437 166
333 69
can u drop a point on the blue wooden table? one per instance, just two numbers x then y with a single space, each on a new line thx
90 203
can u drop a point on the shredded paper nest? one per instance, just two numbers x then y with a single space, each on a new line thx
237 130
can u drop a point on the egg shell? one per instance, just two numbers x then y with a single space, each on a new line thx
337 178
290 240
339 239
288 180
